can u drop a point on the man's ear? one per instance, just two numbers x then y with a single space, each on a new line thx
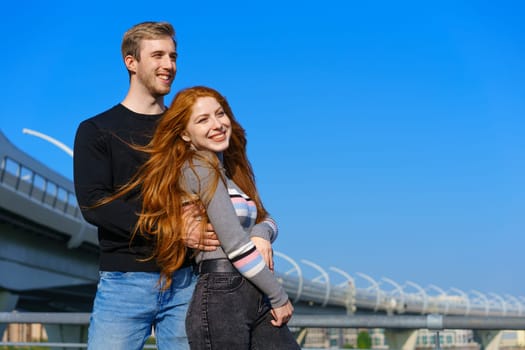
131 63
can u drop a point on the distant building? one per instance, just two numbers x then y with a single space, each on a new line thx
448 338
512 340
326 338
24 333
378 338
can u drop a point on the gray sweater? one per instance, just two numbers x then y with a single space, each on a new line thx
232 214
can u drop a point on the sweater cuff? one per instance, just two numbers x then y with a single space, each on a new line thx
266 229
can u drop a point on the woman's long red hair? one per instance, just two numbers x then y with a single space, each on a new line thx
159 178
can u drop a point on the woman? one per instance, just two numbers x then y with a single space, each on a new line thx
198 156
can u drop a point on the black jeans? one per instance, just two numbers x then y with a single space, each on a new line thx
227 312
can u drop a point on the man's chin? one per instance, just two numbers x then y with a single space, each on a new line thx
162 92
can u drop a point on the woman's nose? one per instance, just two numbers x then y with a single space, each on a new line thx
217 123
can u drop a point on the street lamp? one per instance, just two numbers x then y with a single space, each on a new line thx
49 139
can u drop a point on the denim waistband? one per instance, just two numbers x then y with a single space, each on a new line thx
216 265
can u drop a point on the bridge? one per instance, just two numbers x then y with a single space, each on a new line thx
49 264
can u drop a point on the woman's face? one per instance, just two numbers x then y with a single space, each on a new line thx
209 127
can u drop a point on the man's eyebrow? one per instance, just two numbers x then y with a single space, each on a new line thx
164 52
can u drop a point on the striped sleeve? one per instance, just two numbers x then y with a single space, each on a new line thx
249 262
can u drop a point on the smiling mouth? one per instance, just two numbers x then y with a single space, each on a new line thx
218 137
165 78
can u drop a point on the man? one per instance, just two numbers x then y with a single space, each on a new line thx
130 297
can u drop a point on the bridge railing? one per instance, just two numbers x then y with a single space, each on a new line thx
376 297
28 187
38 187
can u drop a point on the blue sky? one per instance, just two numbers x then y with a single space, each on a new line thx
387 137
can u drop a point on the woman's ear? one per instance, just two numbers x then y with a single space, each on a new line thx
185 137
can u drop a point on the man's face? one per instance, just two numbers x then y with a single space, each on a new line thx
157 66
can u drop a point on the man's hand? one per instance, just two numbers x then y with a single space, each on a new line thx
265 249
191 218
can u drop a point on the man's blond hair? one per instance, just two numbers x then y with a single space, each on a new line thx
145 31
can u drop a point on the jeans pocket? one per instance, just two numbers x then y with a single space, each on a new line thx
225 282
107 275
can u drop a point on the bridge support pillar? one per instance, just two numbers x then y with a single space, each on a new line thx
401 339
61 333
489 340
7 304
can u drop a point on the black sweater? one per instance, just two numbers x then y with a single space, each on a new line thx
102 161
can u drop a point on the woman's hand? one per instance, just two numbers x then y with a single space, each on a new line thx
265 249
283 314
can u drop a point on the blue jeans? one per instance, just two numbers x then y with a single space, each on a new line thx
227 312
128 304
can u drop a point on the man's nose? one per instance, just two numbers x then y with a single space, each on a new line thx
168 62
